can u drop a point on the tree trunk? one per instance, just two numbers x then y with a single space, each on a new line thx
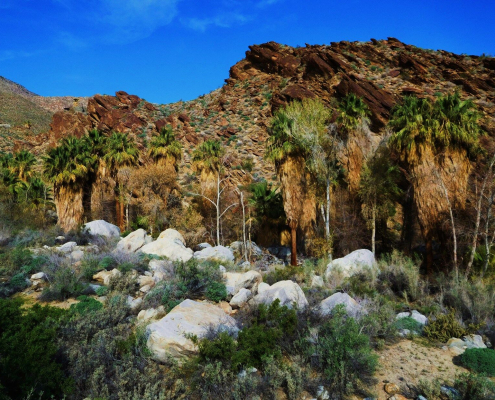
327 222
117 210
373 231
122 214
69 206
293 250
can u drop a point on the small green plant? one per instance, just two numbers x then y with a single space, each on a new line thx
479 360
86 305
410 324
475 387
216 291
102 291
107 262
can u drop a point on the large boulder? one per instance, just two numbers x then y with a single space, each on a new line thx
134 241
415 315
249 280
102 228
217 253
351 263
105 276
170 244
167 337
67 247
288 292
351 306
241 298
238 249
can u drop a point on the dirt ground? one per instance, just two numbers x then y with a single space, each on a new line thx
406 362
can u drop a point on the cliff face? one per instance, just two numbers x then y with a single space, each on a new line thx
271 75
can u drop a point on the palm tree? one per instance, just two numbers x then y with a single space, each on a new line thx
121 151
66 167
165 149
293 133
22 164
435 142
353 125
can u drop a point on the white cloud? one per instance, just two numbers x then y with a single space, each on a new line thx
223 20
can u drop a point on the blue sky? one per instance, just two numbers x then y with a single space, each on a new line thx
168 50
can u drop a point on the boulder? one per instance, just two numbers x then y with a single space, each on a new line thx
151 313
218 253
202 246
351 263
134 304
169 247
76 255
134 241
231 279
351 306
238 249
248 280
67 247
102 228
415 315
241 298
39 276
263 287
316 281
144 280
474 342
105 276
173 235
288 292
167 336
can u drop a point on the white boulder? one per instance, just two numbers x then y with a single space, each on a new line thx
218 253
133 241
415 315
248 280
173 235
134 304
67 247
252 248
351 306
39 276
231 279
288 292
102 228
76 255
241 298
263 287
351 263
170 244
167 337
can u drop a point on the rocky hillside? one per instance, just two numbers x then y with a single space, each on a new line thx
24 114
271 74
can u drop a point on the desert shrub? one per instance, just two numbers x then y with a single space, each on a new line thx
102 291
260 339
289 376
361 284
18 281
89 266
13 260
400 274
284 273
125 284
379 321
108 359
429 389
343 353
107 262
409 323
86 305
64 282
479 360
446 326
474 299
28 351
475 387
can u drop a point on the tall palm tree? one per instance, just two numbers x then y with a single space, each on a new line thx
207 159
66 167
293 132
165 149
121 151
353 125
435 142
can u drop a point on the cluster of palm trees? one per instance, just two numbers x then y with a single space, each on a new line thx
435 141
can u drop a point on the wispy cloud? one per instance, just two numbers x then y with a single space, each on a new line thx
7 55
223 20
71 41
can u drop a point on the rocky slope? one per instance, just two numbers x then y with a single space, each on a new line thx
24 114
271 74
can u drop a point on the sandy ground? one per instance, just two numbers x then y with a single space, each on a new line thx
406 362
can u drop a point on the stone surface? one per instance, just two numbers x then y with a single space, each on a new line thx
144 280
417 316
67 247
105 276
134 304
238 249
317 281
352 307
169 247
241 298
218 253
231 279
391 388
288 292
263 287
102 228
77 255
166 337
134 241
173 235
351 263
248 280
38 276
474 342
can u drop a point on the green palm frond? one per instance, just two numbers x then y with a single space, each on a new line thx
353 111
120 151
165 146
208 156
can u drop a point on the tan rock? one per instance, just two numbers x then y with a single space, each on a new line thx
225 307
391 388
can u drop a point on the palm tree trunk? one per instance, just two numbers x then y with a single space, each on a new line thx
69 206
293 250
373 231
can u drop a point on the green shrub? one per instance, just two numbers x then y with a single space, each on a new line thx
289 376
28 347
216 291
107 262
343 354
102 291
64 283
18 281
86 305
446 326
409 323
474 387
479 360
89 266
284 273
126 284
